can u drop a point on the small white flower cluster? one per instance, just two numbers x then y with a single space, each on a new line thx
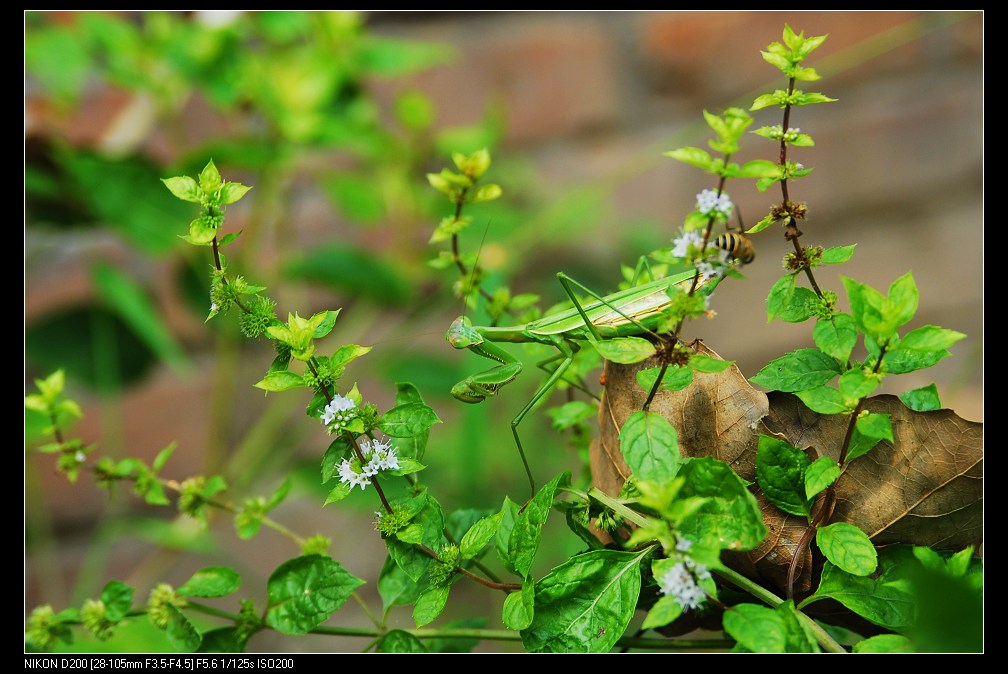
681 246
380 455
688 246
681 582
341 410
709 201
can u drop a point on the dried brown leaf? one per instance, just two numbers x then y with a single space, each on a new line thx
925 488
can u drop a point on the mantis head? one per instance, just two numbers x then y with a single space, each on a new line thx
462 334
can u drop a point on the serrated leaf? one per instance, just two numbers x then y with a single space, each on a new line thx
780 472
519 607
922 399
836 336
820 474
399 641
429 605
837 254
478 536
693 156
824 400
650 446
676 378
303 592
408 420
885 643
885 601
211 581
625 349
847 547
281 380
182 634
585 604
758 628
184 187
729 516
118 598
797 371
526 533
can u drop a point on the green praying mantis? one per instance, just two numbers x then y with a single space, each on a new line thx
634 311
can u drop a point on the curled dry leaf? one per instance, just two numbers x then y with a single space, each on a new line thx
925 488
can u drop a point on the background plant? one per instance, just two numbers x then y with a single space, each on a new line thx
204 305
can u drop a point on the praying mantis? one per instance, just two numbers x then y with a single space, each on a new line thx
634 311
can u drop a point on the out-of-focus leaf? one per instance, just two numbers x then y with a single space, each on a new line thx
352 271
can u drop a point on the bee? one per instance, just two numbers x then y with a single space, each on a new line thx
739 246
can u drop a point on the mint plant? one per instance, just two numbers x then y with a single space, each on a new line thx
766 531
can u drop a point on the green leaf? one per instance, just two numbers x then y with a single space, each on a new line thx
131 304
837 254
326 326
572 413
118 598
282 380
825 400
693 156
478 536
836 336
625 350
352 271
924 399
509 516
210 178
758 628
797 371
585 604
399 641
885 601
184 187
211 581
848 548
664 611
519 607
395 587
303 592
347 353
429 517
527 531
676 378
232 192
650 446
359 197
929 338
780 472
413 446
757 168
729 516
820 474
869 430
182 634
856 384
222 640
701 363
408 420
430 604
885 643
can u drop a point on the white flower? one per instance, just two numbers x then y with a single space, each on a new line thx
349 475
341 410
709 201
79 456
680 583
213 307
681 246
683 544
